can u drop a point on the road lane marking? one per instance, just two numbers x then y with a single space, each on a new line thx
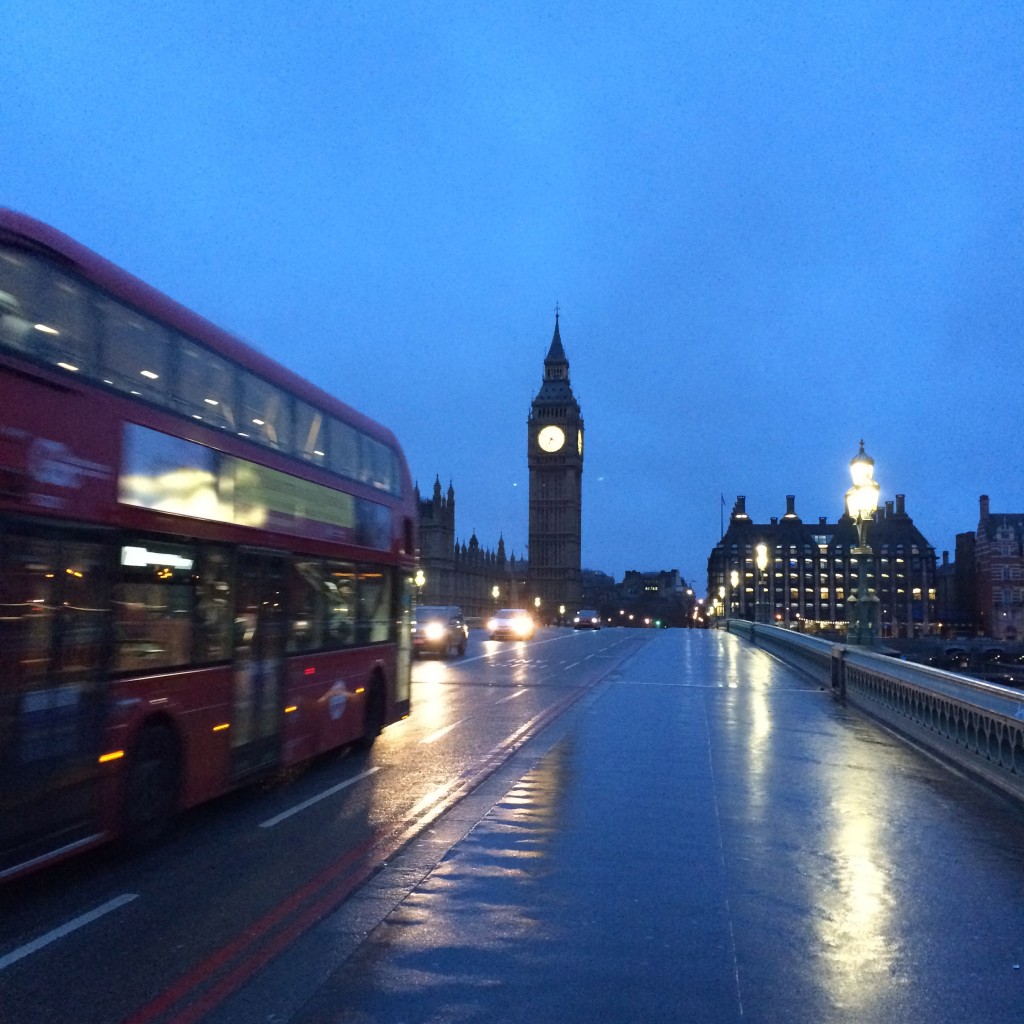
505 650
511 696
192 997
271 822
65 929
441 732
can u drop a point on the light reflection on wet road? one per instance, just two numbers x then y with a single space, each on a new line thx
712 838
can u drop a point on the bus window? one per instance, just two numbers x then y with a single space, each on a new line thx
266 414
214 605
307 606
377 468
206 386
153 607
340 585
28 612
375 617
84 611
135 353
310 433
18 287
344 450
52 652
45 313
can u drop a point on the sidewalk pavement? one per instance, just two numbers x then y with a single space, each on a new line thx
708 837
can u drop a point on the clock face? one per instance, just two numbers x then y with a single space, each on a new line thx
551 438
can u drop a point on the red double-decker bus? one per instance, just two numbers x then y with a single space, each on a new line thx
205 561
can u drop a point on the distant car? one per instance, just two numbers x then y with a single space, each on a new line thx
586 619
439 629
511 624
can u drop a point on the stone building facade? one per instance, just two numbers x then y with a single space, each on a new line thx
999 572
463 573
813 571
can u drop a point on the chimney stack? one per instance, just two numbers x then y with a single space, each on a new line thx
984 506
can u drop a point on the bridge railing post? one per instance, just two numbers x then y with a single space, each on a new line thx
839 671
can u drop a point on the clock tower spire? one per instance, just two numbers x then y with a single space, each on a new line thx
554 449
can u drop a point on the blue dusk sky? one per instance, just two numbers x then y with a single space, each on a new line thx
772 229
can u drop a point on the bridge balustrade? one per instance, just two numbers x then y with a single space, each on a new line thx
977 724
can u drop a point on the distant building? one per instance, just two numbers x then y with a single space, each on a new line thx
662 595
642 598
812 571
956 606
464 574
599 589
999 562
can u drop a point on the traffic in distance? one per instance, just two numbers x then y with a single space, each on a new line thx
206 561
439 630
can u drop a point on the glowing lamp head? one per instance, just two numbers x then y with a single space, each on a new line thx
762 556
862 497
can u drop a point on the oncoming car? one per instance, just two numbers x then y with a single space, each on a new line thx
511 624
439 630
586 619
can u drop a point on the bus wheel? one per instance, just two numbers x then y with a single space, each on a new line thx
374 714
151 786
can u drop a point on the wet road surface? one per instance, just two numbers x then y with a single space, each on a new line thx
706 837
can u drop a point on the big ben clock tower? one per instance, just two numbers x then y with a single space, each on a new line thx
554 449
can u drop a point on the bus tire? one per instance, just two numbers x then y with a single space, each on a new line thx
374 722
151 786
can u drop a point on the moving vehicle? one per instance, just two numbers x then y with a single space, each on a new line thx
586 619
511 624
205 561
439 630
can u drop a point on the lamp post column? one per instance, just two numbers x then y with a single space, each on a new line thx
762 564
861 503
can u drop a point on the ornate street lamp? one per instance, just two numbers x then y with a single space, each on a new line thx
734 582
762 564
861 503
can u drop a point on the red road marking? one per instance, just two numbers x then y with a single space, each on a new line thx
211 981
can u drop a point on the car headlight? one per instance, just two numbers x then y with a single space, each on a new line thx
492 624
523 626
433 631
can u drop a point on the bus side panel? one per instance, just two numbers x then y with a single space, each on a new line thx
196 706
329 693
